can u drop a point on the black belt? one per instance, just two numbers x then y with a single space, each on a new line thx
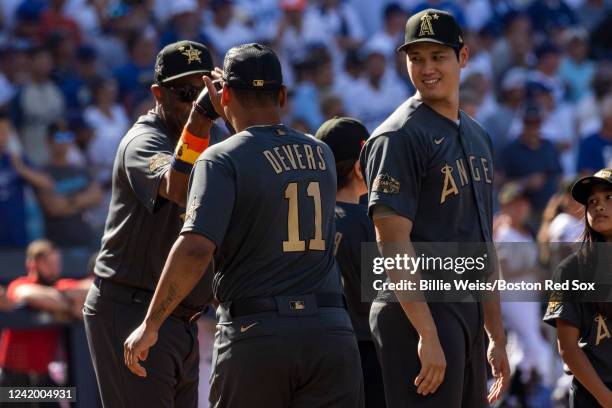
252 306
123 293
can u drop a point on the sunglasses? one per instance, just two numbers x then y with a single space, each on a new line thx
185 93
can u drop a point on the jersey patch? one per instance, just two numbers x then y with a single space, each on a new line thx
384 183
158 161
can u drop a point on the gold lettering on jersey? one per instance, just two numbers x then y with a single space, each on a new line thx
299 156
289 153
158 161
485 170
337 241
426 27
474 169
450 187
291 157
463 175
272 160
322 166
281 158
602 329
310 157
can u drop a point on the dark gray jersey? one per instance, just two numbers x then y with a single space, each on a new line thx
352 228
436 173
142 226
266 197
433 171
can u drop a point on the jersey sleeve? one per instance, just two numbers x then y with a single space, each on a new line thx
561 304
212 193
145 159
394 164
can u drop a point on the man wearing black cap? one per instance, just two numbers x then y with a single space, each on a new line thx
429 172
149 190
262 202
345 136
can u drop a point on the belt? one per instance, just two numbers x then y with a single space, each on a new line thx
252 306
123 293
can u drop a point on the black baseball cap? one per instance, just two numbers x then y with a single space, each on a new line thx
252 66
431 25
180 59
345 136
581 190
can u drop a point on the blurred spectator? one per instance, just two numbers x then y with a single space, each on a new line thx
53 21
546 71
27 23
224 30
595 152
109 122
478 84
380 96
184 23
25 354
15 175
38 104
340 19
88 14
567 224
548 15
391 35
507 116
576 69
588 108
600 37
135 77
74 193
448 5
315 78
518 256
350 78
592 12
297 29
77 86
532 161
515 47
5 304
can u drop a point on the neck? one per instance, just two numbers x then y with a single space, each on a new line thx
58 161
531 142
348 194
255 117
448 107
606 132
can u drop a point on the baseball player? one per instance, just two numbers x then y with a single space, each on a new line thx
345 136
149 190
429 172
262 202
584 331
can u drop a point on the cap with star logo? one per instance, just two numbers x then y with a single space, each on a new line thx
180 59
431 25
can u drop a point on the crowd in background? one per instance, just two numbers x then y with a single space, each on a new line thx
74 75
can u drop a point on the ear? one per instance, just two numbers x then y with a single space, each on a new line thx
464 55
156 91
357 170
225 96
282 97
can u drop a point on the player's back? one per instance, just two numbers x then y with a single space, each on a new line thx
280 234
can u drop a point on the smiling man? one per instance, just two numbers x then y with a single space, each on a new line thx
429 173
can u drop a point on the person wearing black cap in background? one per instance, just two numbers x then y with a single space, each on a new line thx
345 136
262 202
582 317
149 191
429 173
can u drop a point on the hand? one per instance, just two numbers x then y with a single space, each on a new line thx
433 365
214 95
17 162
136 348
498 360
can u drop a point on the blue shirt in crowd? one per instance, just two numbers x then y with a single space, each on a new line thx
594 153
12 205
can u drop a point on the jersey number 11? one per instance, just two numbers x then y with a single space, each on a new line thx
293 243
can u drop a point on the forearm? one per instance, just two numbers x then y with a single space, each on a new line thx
47 299
36 179
583 370
176 180
493 320
183 270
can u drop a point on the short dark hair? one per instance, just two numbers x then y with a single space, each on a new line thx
249 98
344 169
